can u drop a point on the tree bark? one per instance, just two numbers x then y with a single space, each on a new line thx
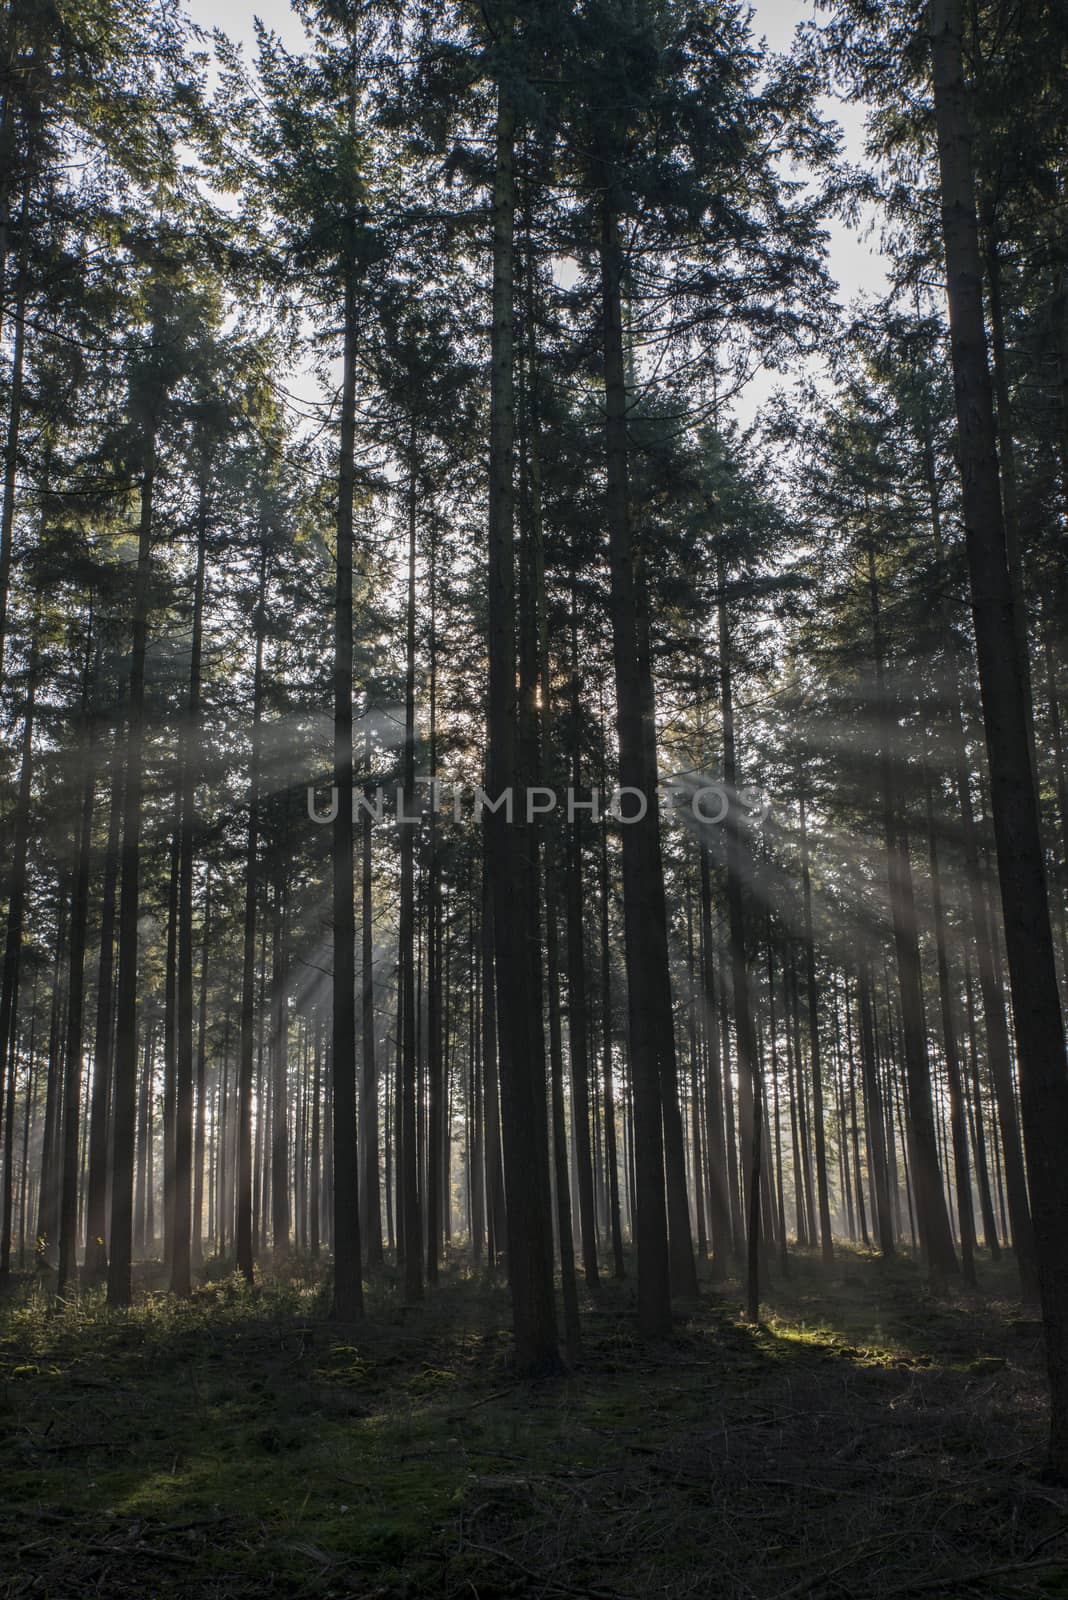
244 1230
96 1227
719 1199
411 1230
11 454
120 1255
200 1123
16 902
522 1070
932 1217
348 1283
370 1196
181 1258
435 1203
643 889
822 1195
72 1089
1021 867
961 1165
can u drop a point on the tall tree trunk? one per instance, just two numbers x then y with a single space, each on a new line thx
719 1200
11 455
279 1063
434 1053
611 1141
348 1281
411 1234
961 1165
577 1010
496 1220
475 1145
72 1090
936 1237
982 1170
96 1256
16 902
200 1124
1007 474
370 1197
744 1033
990 986
1021 867
522 1068
780 1196
120 1254
27 1125
244 1229
170 1032
822 1195
1060 780
803 1206
538 756
316 1176
643 889
854 1119
181 1280
875 1116
48 1184
694 1062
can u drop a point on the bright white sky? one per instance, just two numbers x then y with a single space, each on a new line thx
854 257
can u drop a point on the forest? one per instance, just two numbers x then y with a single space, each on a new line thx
533 800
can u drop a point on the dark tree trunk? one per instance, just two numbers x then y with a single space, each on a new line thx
244 1230
16 902
611 1142
961 1165
11 457
854 1121
538 762
719 1201
200 1125
819 1131
577 1010
522 1068
496 1223
170 1032
1029 939
644 913
434 1052
316 1175
694 1062
348 1280
932 1216
982 1170
780 1196
370 1198
279 1064
120 1255
181 1255
27 1125
744 1033
72 1089
411 1231
875 1115
96 1257
990 987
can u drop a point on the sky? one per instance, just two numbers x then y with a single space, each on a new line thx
853 257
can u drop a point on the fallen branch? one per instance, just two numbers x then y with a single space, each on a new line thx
559 1584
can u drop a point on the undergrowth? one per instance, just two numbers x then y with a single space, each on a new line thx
868 1438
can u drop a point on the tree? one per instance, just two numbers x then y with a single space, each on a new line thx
1021 865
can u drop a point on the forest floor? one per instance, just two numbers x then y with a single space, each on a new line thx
868 1440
